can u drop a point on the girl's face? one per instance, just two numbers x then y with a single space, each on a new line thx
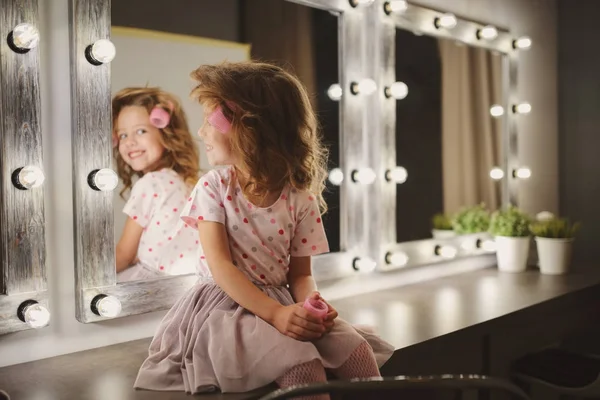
217 145
139 142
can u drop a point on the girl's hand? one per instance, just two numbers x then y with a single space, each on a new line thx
329 320
332 314
297 323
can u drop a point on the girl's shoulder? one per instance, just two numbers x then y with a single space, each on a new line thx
217 178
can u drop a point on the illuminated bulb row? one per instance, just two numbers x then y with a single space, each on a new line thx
33 314
367 176
367 86
521 108
400 258
106 306
28 177
23 38
449 21
520 173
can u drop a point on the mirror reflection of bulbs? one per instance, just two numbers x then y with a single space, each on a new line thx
28 177
397 90
104 179
336 176
397 175
447 21
488 32
395 6
335 92
106 306
366 176
364 264
23 38
522 173
360 3
396 258
522 43
365 87
496 110
445 251
496 173
33 314
522 108
101 52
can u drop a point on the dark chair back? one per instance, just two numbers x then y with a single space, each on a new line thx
385 386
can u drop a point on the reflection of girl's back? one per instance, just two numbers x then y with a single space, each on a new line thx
152 141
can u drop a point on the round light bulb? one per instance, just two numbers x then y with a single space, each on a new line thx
365 87
366 176
447 21
335 92
104 179
446 251
496 173
23 38
397 258
106 306
395 6
496 110
397 90
364 264
336 176
488 32
102 51
33 314
28 177
522 108
397 174
522 173
522 43
360 3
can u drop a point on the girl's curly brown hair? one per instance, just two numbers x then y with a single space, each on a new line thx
181 152
274 129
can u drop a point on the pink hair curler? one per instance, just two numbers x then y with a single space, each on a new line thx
316 307
159 117
219 121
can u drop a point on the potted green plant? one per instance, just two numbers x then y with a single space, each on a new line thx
554 239
442 226
510 228
475 219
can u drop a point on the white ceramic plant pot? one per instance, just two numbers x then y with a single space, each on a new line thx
443 233
554 255
512 253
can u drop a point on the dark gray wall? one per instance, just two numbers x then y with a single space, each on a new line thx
206 18
579 119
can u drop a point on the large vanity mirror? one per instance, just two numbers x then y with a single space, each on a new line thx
23 284
117 52
306 44
451 111
447 141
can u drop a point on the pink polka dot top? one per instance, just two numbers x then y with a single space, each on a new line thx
155 203
261 240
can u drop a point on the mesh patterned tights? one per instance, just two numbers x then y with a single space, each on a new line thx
360 364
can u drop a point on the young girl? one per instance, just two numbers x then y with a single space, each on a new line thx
152 141
259 222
